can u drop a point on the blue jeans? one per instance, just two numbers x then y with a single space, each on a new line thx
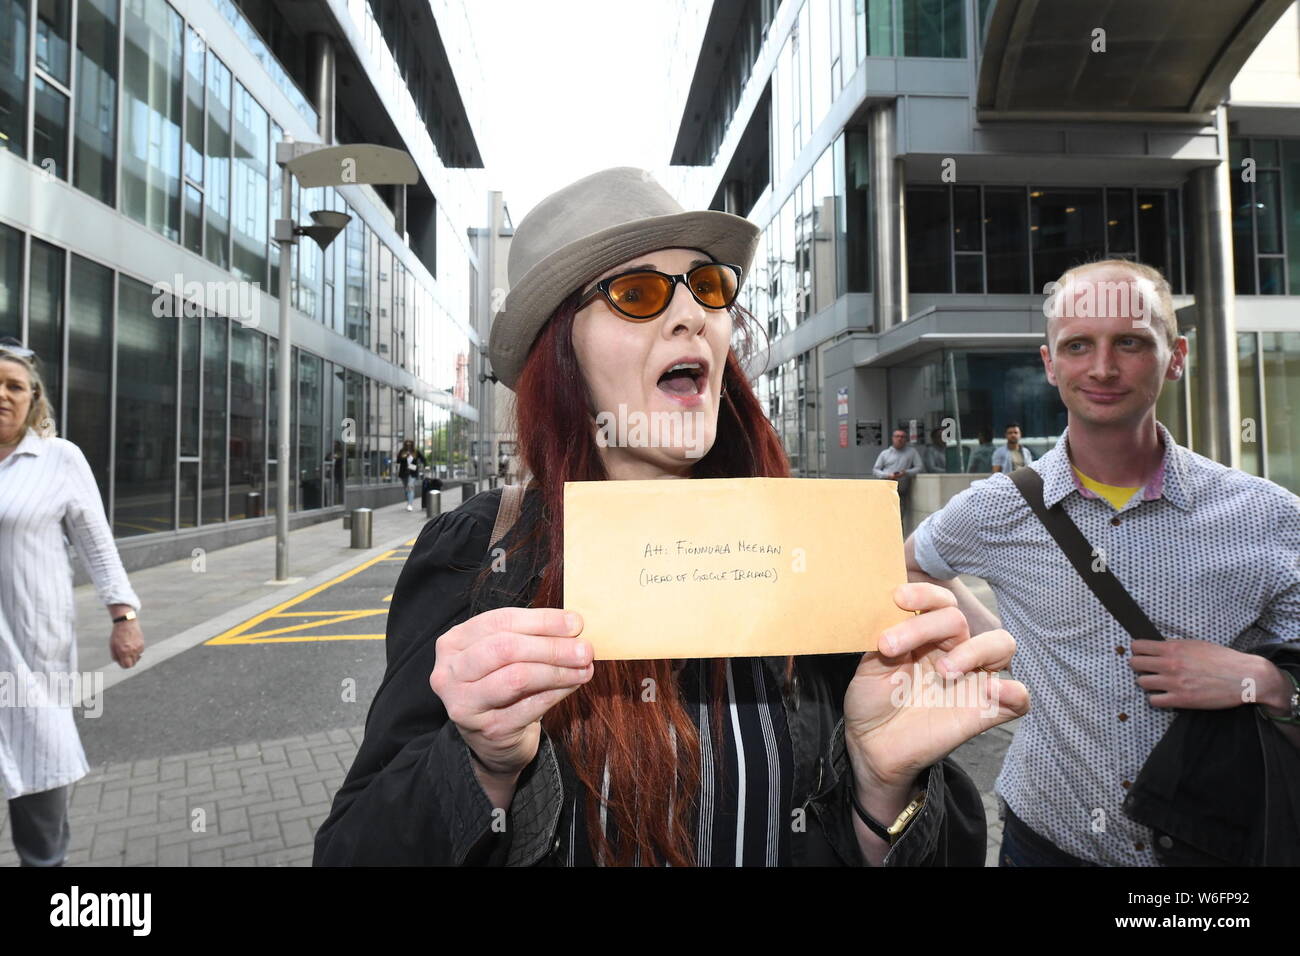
409 483
1022 846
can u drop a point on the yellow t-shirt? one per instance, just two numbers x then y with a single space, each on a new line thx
1117 496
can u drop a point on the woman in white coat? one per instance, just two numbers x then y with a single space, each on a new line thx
47 490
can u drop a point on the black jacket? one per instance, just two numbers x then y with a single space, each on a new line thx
403 469
411 796
1222 787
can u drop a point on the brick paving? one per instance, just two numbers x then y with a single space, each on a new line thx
253 804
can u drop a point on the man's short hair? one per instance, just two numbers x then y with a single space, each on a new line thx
1015 425
1162 308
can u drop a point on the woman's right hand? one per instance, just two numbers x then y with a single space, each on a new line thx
500 671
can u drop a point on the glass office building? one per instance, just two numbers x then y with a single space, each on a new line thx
922 168
139 190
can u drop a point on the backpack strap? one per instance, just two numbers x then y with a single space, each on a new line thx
1067 535
512 499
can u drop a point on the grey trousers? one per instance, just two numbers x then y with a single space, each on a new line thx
39 822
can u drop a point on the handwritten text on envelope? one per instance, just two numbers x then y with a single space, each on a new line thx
732 567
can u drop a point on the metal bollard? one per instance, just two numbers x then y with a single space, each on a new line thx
432 503
347 520
362 527
253 504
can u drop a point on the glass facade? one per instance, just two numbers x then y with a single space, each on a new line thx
1016 239
174 404
94 163
1266 215
145 443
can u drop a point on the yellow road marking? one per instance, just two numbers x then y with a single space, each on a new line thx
388 597
246 633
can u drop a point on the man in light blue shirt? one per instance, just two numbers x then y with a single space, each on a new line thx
1007 458
1209 553
901 463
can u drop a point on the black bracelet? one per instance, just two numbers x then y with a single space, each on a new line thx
865 817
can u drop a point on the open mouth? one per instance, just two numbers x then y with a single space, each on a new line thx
685 378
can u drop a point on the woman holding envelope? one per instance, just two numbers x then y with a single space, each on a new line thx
494 738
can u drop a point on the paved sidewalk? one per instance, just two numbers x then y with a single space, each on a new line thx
253 804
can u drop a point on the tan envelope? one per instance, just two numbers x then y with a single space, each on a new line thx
732 567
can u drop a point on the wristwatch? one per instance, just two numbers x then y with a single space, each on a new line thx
891 833
128 616
1294 716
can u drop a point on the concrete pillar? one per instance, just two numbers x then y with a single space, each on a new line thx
889 275
321 79
1218 412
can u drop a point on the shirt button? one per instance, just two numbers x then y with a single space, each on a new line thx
1119 651
1123 717
1126 784
1165 841
1115 520
1139 846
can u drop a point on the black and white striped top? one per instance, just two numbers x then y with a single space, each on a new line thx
746 783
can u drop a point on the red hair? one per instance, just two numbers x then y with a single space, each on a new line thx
606 719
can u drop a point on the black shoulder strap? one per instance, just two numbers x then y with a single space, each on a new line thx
1067 535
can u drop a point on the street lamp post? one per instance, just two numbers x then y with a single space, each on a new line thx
315 165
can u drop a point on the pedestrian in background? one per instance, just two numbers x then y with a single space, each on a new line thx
409 463
936 453
901 463
1012 455
981 456
47 490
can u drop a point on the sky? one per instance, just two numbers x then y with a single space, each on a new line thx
570 87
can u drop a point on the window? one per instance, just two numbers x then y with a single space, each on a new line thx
967 239
45 319
90 338
215 353
1006 235
933 27
53 30
1281 356
311 451
928 227
15 28
272 424
216 166
11 281
151 135
50 128
274 212
247 434
191 385
1068 229
1258 229
355 281
95 132
145 472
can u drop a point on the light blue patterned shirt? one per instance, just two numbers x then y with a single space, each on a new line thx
1207 552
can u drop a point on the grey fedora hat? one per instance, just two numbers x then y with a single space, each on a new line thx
589 227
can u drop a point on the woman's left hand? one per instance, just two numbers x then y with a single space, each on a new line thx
928 688
127 643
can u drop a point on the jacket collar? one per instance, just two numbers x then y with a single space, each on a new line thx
1169 481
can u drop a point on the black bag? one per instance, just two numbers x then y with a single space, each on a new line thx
1222 787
